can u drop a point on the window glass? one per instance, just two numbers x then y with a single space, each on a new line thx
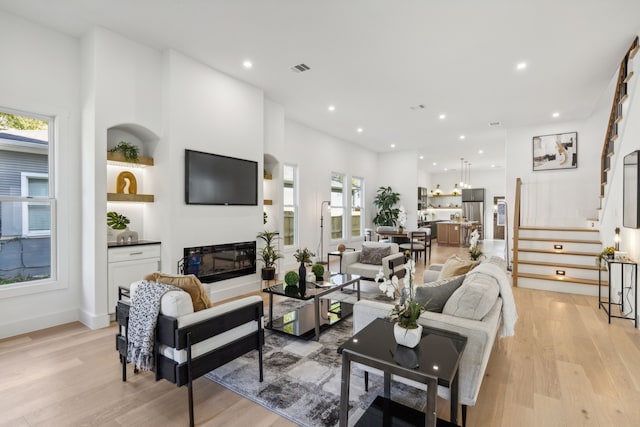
337 205
357 206
26 202
290 205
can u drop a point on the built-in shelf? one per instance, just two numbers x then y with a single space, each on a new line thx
445 195
449 208
119 197
268 202
268 176
118 157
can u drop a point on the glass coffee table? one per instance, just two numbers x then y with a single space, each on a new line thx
433 362
307 320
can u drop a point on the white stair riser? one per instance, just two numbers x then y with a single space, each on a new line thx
566 246
551 285
577 273
557 258
560 235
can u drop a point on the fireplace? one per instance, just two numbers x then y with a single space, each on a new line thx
219 262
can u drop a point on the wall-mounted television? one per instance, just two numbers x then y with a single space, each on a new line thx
212 179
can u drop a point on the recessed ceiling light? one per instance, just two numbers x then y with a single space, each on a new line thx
462 137
556 114
446 169
393 145
442 116
493 166
331 108
247 64
435 164
521 65
480 151
360 130
421 157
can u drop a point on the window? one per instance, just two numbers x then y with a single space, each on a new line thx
357 207
290 205
26 202
337 205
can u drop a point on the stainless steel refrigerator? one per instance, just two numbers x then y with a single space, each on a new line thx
473 206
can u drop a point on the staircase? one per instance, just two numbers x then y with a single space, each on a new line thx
558 259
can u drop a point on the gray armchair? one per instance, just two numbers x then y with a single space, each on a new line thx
355 263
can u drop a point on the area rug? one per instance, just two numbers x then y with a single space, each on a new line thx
302 378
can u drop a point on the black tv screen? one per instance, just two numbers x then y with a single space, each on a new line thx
212 179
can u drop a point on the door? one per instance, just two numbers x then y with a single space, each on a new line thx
498 230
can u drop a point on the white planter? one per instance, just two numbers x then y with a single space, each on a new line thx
407 337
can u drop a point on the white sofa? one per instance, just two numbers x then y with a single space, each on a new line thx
480 335
351 261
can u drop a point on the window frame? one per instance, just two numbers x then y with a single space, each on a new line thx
294 207
52 282
33 200
342 206
361 207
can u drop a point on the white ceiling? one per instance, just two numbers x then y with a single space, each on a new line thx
374 59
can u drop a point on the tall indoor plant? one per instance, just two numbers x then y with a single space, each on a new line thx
384 201
269 253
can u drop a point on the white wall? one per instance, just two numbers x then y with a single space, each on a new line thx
211 112
317 155
399 170
40 74
556 197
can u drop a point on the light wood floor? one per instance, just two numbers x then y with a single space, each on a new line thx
565 367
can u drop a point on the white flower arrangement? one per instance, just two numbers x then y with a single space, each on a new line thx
402 217
474 250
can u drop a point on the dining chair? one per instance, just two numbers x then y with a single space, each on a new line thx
419 241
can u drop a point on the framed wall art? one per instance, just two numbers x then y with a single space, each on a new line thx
558 151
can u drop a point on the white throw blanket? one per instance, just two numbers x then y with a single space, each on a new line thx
143 317
509 313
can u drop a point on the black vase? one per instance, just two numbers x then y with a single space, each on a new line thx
302 283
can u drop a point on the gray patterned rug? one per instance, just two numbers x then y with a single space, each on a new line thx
302 378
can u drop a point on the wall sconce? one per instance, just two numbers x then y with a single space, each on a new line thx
557 247
456 190
437 191
616 239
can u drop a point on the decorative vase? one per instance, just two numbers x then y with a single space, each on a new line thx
302 284
127 236
407 337
311 277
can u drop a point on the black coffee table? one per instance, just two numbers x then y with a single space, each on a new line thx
306 321
433 362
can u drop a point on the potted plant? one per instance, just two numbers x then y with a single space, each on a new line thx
384 201
318 270
129 151
117 221
303 256
606 254
269 253
406 331
474 249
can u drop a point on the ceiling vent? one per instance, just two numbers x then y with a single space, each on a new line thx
300 68
418 107
495 124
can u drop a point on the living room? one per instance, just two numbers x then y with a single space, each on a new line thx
106 79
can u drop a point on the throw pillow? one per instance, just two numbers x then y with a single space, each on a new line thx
374 255
189 284
474 298
456 266
433 296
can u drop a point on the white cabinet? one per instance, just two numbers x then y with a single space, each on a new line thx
129 264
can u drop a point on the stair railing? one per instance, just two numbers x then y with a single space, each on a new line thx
616 114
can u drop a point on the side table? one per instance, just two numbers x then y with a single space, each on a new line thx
339 255
433 362
606 304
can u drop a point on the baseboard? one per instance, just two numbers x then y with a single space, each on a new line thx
36 323
94 321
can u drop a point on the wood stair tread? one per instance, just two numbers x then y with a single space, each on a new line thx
563 252
541 239
552 228
561 279
561 265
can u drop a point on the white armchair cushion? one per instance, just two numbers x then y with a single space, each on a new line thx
173 303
